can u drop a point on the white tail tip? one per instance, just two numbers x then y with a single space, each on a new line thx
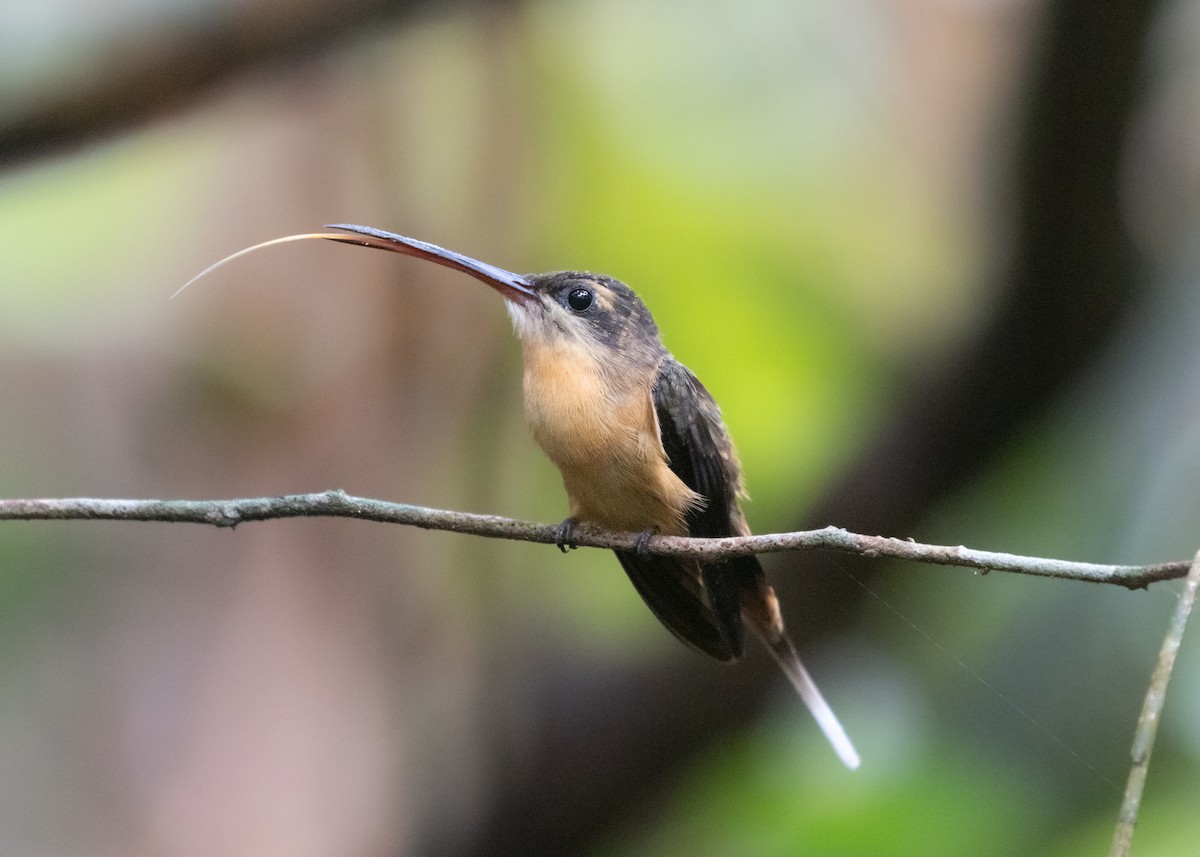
789 660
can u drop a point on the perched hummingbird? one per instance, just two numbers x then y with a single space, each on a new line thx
641 447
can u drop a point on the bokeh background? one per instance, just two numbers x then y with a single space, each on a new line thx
937 259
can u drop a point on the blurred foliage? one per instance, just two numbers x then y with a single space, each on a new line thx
753 177
801 249
86 236
765 794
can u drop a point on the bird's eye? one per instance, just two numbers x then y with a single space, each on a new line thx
580 299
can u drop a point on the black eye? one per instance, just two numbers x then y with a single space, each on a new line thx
580 299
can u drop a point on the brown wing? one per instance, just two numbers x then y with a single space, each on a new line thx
701 454
671 589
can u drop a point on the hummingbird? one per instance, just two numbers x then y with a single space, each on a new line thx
641 447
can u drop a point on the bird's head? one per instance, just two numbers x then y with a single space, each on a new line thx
568 309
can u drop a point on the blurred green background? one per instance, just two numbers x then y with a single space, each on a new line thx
829 209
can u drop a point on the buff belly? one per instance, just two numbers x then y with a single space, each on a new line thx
605 441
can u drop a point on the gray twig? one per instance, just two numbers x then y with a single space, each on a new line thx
230 513
1147 727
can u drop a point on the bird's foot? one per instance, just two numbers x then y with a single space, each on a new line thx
642 545
562 535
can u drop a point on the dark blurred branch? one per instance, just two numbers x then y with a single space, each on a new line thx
149 72
339 504
608 749
1147 728
1071 279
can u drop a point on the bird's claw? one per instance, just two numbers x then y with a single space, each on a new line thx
642 546
562 535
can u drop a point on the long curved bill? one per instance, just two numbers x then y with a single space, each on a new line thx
512 286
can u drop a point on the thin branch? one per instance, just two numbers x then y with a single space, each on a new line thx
339 504
1147 728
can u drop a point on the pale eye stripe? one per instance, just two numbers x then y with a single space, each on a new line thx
604 297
